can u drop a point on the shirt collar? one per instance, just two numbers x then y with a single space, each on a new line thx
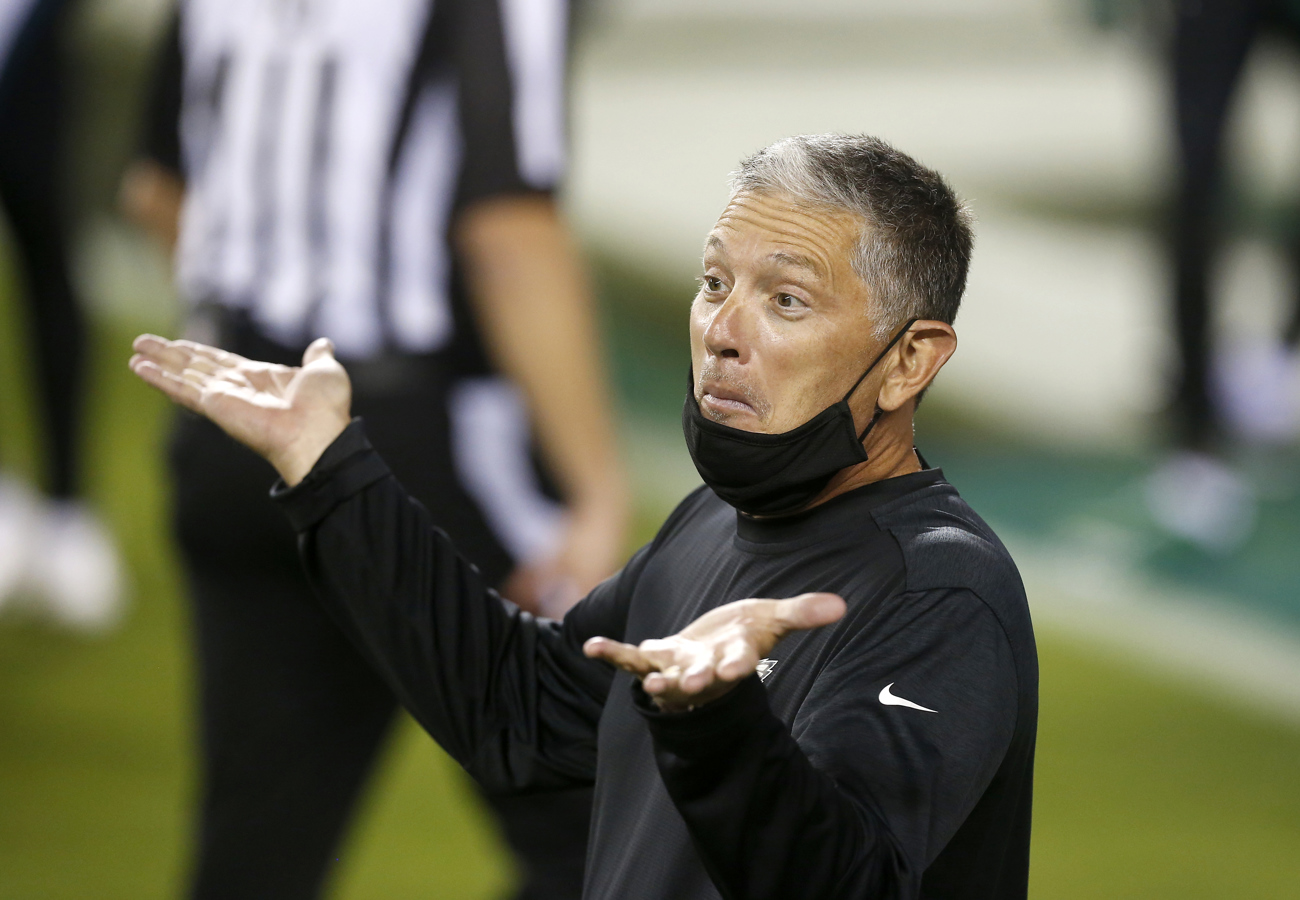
829 517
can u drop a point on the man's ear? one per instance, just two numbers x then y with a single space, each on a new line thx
918 357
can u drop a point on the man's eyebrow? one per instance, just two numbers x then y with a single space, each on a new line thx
797 260
784 257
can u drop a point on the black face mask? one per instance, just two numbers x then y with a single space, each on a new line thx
778 474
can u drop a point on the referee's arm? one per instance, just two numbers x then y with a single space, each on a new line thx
152 189
526 281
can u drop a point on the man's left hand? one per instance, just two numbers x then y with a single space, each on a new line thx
707 658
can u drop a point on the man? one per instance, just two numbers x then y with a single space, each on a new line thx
739 749
382 173
53 547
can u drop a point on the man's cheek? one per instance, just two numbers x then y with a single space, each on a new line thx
697 345
698 322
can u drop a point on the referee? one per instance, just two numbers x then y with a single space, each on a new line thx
381 172
874 738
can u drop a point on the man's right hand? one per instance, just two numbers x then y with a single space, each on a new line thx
288 414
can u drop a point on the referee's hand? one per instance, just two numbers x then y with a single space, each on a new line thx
288 414
708 657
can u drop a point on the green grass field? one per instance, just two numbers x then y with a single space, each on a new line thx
1144 789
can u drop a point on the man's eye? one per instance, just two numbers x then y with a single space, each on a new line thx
788 301
711 284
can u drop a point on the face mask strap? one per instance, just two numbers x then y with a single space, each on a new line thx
881 355
875 417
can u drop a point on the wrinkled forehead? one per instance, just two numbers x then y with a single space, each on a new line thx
781 231
779 218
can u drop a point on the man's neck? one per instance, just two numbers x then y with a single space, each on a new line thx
890 453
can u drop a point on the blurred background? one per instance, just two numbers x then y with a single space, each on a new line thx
1169 747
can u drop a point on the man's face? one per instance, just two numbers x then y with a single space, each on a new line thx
780 329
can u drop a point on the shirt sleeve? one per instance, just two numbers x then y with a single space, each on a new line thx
511 65
864 789
509 696
160 138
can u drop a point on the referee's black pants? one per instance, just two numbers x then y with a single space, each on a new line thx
291 715
1211 41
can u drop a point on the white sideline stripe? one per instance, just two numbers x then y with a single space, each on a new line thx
1205 642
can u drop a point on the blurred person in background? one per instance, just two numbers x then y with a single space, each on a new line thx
1224 393
382 173
54 550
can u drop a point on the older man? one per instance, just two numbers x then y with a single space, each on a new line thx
737 748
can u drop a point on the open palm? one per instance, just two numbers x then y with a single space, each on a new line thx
708 657
288 414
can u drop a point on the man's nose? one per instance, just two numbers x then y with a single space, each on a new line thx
728 333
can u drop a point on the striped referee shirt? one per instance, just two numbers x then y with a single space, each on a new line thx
327 146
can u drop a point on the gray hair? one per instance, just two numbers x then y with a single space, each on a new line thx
915 247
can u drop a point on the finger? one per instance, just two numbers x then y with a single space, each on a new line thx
195 377
738 660
166 354
321 348
698 665
147 342
200 367
625 656
219 379
159 348
809 611
178 389
659 683
661 653
232 377
698 676
202 364
215 354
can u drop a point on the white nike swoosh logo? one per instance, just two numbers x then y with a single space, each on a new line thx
889 699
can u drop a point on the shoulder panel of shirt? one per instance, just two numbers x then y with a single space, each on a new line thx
946 546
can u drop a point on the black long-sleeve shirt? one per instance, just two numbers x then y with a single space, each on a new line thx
889 755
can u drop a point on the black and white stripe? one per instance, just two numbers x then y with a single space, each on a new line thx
490 449
328 143
536 33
